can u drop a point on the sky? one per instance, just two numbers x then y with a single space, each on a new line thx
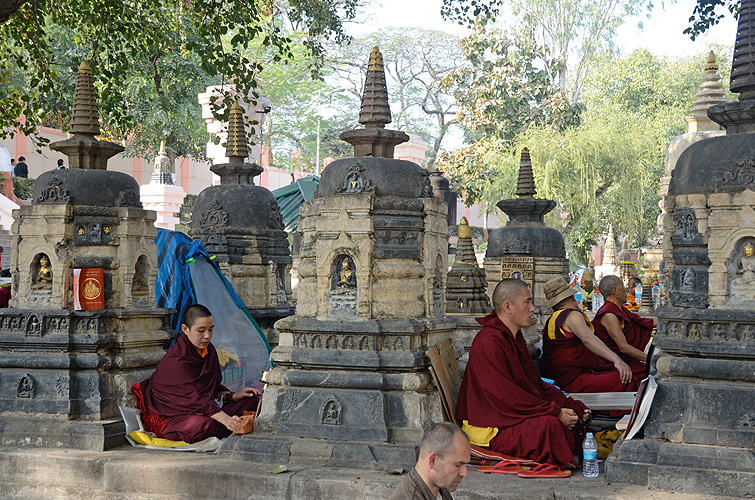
661 33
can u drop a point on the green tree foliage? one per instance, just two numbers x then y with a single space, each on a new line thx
154 52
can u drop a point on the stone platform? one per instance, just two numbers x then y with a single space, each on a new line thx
137 474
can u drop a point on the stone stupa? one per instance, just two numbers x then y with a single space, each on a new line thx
700 432
161 194
64 371
526 248
241 225
466 292
350 377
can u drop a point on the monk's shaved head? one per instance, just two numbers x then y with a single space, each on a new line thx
607 283
440 439
508 289
193 313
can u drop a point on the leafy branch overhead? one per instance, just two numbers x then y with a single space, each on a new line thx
200 43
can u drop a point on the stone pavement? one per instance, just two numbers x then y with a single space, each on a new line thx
128 473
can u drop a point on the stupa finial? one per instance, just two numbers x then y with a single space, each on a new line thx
464 230
375 112
162 148
84 118
525 185
236 146
742 70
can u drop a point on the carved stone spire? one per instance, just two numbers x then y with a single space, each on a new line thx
743 66
84 117
236 146
739 117
375 112
374 140
525 185
82 149
163 172
526 209
466 282
609 254
711 93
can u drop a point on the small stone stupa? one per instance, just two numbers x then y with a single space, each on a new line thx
466 292
64 371
627 268
161 194
241 225
700 431
526 248
609 264
350 377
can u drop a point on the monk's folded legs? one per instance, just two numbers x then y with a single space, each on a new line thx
543 439
194 428
601 382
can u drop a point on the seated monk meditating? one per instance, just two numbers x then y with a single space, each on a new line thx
503 402
624 332
572 355
184 399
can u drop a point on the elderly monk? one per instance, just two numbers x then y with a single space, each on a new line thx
184 399
442 464
503 402
624 332
572 355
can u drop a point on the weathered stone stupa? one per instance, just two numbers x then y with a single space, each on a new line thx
627 268
700 433
350 366
65 371
526 248
699 127
443 191
241 225
466 292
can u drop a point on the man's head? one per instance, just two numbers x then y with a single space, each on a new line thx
612 288
12 161
198 326
21 158
443 456
633 282
60 162
512 300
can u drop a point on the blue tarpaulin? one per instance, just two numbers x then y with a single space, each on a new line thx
187 275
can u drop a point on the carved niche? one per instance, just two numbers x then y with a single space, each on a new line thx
342 296
741 272
41 273
355 182
332 411
26 386
140 280
53 192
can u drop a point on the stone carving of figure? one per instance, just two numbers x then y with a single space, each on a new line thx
742 285
43 279
331 415
24 387
746 265
139 286
688 280
96 233
347 278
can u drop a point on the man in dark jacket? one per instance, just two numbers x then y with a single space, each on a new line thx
21 170
442 464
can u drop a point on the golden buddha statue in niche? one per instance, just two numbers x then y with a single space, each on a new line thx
43 278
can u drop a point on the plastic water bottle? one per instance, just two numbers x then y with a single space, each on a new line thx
597 300
590 456
578 296
638 294
656 295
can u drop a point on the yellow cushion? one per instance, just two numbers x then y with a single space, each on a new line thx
479 436
144 438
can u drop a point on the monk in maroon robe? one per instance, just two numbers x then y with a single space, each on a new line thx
573 356
624 332
503 401
180 401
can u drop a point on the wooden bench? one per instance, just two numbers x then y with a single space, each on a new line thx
445 373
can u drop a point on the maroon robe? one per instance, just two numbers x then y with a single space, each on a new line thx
501 388
180 396
637 331
573 366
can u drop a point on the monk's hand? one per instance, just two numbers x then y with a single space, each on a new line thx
246 392
624 371
568 417
586 416
231 423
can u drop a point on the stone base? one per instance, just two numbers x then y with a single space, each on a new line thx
271 449
707 470
18 429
